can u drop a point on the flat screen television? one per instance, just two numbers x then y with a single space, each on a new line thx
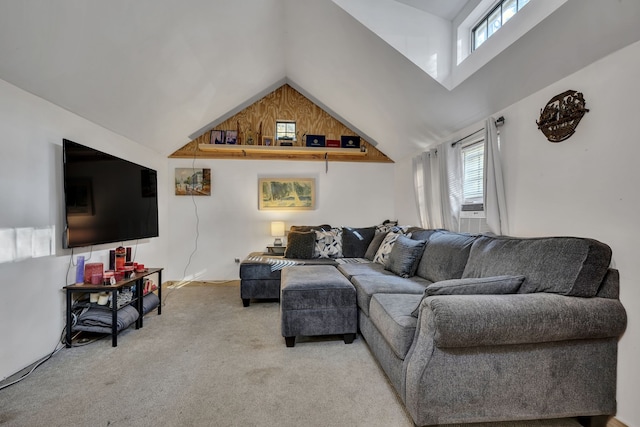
107 199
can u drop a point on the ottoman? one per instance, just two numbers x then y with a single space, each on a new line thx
317 300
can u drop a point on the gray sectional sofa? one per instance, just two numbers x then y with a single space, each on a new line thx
478 328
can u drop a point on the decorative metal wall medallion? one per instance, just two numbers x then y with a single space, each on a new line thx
560 117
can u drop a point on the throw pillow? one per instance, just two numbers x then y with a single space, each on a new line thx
300 244
328 244
385 247
497 285
404 256
374 245
355 241
386 226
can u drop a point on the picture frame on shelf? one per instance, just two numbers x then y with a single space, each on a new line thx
231 137
297 194
315 141
267 140
333 143
349 141
217 137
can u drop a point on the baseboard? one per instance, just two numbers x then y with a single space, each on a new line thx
614 422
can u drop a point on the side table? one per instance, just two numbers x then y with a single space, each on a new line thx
137 280
276 250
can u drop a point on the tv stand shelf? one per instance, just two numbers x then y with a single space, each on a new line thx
137 280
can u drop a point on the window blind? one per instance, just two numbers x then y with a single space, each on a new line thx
473 173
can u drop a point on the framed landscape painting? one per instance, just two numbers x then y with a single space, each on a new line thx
193 182
286 194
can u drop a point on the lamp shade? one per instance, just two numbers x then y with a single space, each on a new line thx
277 228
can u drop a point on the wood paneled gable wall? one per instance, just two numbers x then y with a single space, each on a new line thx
259 119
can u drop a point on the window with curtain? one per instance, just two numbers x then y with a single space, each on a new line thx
473 174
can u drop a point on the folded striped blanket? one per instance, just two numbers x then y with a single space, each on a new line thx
275 263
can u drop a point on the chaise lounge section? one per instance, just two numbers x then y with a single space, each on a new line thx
478 328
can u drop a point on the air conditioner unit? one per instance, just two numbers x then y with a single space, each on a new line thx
472 214
472 221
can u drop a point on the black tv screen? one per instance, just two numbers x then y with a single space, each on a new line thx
107 199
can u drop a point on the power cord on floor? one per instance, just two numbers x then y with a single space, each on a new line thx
59 346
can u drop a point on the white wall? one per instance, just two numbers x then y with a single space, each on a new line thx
423 38
231 226
585 186
32 304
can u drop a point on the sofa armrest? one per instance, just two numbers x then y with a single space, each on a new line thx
479 320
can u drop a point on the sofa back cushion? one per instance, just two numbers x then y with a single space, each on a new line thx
445 256
561 265
355 241
418 233
373 247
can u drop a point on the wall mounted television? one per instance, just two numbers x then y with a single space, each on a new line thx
107 199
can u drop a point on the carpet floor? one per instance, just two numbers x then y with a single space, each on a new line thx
208 361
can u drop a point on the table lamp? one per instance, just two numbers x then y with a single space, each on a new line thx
277 231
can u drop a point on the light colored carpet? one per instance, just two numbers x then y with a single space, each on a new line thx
208 361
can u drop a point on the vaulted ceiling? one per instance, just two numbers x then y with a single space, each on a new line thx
159 71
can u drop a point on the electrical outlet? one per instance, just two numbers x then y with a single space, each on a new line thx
237 260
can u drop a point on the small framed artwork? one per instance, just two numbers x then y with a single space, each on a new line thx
193 182
267 140
217 137
297 194
231 136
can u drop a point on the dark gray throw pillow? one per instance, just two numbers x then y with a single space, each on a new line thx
405 255
374 245
355 241
497 285
300 244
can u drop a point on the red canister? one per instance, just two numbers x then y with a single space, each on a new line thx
121 254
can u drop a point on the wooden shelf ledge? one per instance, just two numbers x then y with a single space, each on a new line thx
262 149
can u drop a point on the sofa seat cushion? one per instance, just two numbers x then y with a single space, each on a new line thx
391 314
445 256
359 269
367 286
562 265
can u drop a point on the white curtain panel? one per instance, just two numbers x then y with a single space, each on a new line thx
434 205
420 180
450 162
426 172
495 205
